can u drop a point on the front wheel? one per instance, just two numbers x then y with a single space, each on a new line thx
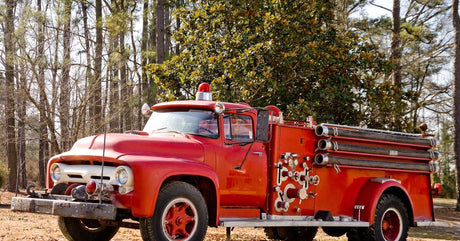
77 229
180 214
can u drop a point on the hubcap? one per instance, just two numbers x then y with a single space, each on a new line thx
179 219
391 225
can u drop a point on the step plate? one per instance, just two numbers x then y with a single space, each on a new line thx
288 223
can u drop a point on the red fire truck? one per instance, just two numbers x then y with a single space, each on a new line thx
204 163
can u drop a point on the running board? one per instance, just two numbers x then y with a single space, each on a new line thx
432 224
234 222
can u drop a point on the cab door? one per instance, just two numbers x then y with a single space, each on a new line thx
241 164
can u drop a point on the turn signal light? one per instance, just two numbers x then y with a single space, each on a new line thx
91 187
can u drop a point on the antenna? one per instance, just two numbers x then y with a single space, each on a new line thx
102 168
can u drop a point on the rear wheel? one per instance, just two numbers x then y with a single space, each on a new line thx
391 219
180 214
391 222
76 229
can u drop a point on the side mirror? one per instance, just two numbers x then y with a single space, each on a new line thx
145 110
262 128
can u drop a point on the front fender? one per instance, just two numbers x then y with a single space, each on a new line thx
150 173
370 194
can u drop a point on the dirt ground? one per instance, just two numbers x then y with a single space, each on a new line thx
28 226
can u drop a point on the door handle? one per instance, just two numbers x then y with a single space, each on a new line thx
258 153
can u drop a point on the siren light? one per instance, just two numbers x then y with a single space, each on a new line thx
204 92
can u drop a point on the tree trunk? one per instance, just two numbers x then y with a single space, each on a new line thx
126 118
10 103
114 91
151 46
456 95
167 29
144 82
396 59
21 109
152 42
43 146
96 88
89 74
64 96
160 31
52 109
178 23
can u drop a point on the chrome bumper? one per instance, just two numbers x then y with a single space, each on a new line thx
64 207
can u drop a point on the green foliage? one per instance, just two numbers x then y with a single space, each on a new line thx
283 53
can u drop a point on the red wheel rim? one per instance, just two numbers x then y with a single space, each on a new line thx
180 219
391 224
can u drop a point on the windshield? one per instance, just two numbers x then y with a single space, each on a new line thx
188 121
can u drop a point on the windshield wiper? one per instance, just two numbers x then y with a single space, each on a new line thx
159 129
163 130
176 131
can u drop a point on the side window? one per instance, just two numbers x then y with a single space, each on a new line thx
208 128
238 128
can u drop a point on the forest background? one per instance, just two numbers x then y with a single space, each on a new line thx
73 68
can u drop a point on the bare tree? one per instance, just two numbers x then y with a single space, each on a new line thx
10 102
178 23
64 96
96 109
21 113
115 118
144 82
160 24
88 69
456 95
167 25
126 117
43 150
396 58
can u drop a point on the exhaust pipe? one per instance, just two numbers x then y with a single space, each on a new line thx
327 145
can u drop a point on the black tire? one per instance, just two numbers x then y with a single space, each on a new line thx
185 208
391 222
335 231
76 229
354 234
272 233
59 188
297 233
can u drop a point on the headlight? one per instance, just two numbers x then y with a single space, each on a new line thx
55 173
124 176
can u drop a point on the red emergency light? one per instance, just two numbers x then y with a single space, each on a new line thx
204 92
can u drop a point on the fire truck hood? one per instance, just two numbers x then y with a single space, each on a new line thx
118 145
